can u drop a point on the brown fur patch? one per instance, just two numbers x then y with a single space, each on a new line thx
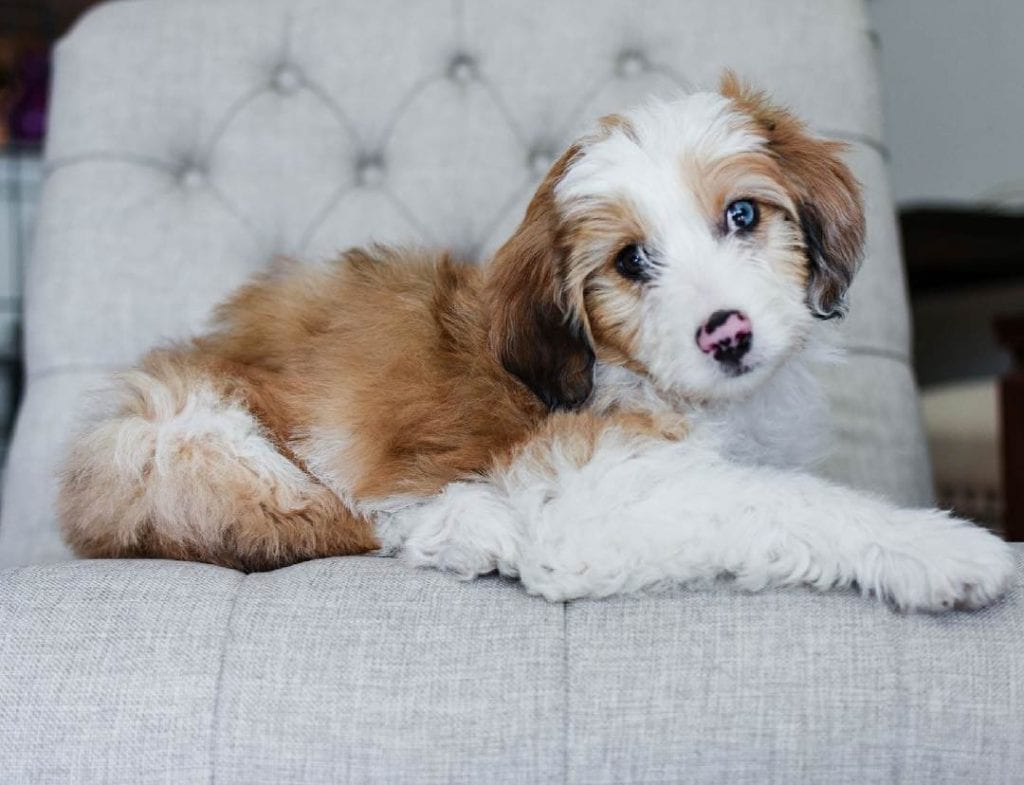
616 122
577 435
536 331
205 457
824 190
186 492
608 300
403 370
757 176
386 350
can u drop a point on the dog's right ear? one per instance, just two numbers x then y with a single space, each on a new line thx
536 331
827 196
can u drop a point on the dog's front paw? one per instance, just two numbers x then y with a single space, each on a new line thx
935 562
467 530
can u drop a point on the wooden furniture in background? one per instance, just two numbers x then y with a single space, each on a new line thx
46 19
952 250
946 248
1010 331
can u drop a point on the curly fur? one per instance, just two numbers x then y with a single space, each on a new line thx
546 415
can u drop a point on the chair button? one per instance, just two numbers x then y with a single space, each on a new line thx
462 69
370 171
192 177
540 161
287 79
631 64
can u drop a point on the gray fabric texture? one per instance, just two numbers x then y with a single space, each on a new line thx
192 141
360 671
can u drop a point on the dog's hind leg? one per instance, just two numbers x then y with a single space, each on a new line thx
181 468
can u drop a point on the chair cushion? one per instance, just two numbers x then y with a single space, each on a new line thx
361 670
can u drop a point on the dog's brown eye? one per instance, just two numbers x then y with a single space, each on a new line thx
632 263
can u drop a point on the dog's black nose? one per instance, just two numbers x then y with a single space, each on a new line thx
726 336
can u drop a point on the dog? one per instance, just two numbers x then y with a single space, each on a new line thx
622 398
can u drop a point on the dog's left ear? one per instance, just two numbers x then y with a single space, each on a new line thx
826 194
538 331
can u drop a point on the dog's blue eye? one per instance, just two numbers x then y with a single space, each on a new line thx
632 263
741 215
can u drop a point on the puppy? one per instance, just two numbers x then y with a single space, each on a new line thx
616 402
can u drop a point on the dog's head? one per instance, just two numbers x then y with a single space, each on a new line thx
694 242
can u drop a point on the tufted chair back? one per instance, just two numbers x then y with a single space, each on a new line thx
194 140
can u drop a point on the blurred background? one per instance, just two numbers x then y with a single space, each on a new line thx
953 76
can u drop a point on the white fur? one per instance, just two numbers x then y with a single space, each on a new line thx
645 514
728 500
785 423
329 456
642 515
167 443
324 451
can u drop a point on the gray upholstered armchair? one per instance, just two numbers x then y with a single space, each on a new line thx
194 140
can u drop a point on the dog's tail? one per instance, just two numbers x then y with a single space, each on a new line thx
181 468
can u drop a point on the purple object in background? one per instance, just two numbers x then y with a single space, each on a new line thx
27 119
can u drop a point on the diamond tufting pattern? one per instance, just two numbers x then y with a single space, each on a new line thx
192 141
